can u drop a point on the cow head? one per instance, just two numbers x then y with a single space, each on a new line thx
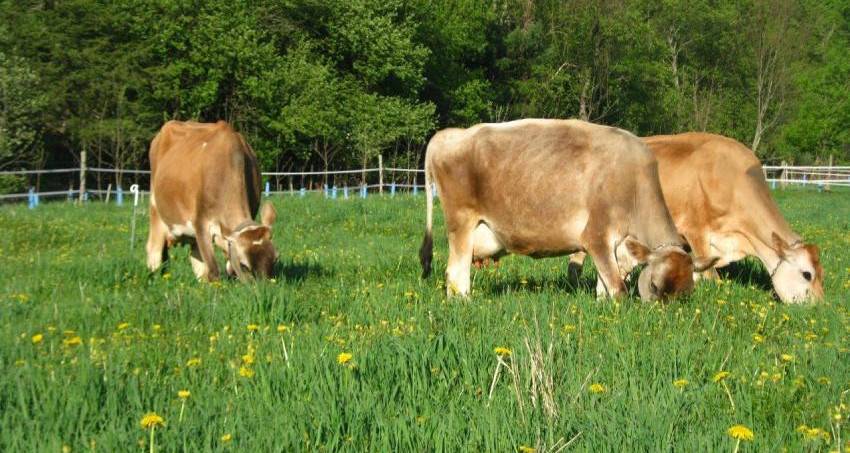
798 276
669 270
250 249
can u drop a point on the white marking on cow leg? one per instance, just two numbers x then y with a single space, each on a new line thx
601 291
157 240
460 261
198 266
607 270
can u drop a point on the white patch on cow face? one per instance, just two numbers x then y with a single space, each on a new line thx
794 276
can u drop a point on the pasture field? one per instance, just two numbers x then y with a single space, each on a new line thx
348 349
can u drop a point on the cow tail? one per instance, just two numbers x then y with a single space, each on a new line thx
426 252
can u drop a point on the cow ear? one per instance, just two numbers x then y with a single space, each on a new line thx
702 264
268 214
639 251
256 233
779 245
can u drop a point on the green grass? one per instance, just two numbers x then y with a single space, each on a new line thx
422 366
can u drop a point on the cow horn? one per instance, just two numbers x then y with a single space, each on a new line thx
234 261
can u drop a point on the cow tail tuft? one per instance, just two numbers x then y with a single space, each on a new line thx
426 252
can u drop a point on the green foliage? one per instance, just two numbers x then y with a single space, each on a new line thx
334 83
422 366
21 103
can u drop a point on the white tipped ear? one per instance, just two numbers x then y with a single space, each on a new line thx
703 264
639 251
268 214
779 245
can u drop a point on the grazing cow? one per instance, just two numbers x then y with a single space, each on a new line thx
549 188
205 190
716 192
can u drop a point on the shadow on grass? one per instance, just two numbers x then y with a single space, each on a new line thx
291 272
747 272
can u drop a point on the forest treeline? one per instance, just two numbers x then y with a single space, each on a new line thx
333 83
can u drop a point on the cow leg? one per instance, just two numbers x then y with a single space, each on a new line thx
574 268
460 257
198 265
204 244
700 247
157 246
608 283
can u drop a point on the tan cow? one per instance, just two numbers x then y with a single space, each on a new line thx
205 189
720 201
549 188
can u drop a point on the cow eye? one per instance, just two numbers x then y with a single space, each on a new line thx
807 275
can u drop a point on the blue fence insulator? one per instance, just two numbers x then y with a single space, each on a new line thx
326 190
345 192
773 184
362 191
86 196
70 194
119 196
333 192
268 191
302 192
31 198
415 189
392 189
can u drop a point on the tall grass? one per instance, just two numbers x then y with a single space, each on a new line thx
262 361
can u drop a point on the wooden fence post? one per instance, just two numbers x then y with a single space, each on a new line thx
380 173
82 177
783 176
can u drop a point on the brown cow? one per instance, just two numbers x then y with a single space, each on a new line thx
550 188
205 189
729 212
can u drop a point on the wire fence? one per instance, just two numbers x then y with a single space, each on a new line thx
112 184
108 184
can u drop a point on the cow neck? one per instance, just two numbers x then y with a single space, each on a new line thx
651 221
766 220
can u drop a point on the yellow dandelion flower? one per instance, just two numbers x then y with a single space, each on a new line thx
193 362
502 351
740 432
281 328
757 338
253 327
183 394
680 383
343 358
787 357
36 339
123 325
151 420
526 449
248 359
810 433
226 438
720 376
157 327
597 388
824 380
569 328
246 372
72 341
